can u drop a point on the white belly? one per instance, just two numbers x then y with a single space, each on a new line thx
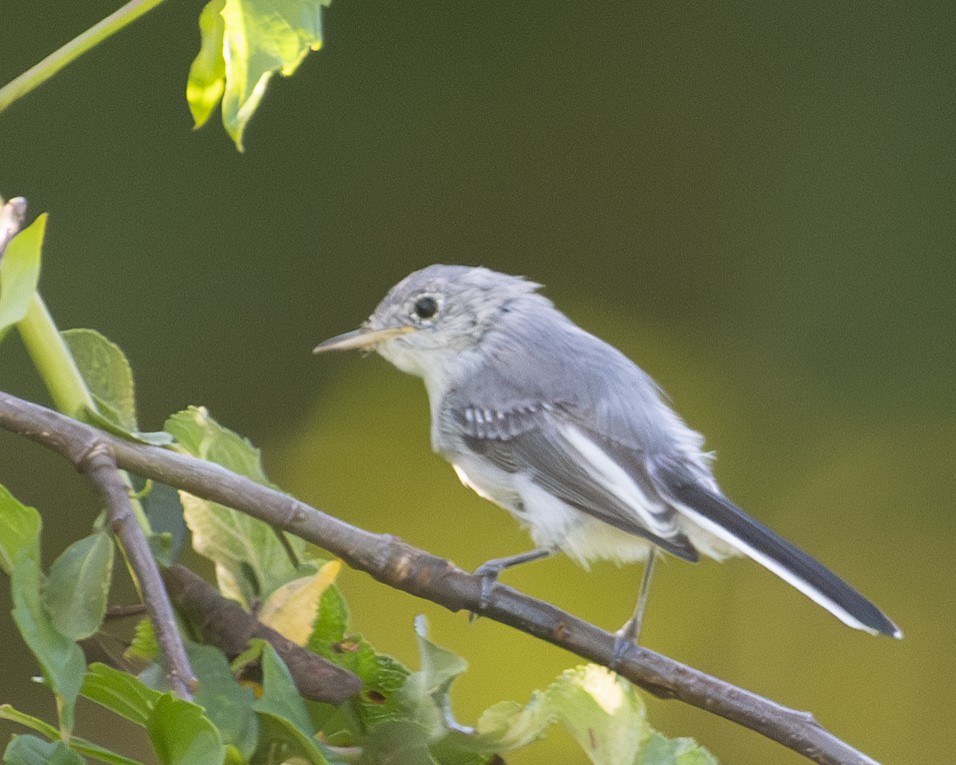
551 522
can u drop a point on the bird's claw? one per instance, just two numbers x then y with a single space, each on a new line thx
489 577
623 641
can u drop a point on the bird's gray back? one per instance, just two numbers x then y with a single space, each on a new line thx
535 356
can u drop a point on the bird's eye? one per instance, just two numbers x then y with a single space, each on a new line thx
426 307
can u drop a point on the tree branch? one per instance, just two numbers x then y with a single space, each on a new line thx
99 465
393 562
223 622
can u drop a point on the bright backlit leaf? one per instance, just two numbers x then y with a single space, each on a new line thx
293 608
660 750
20 273
603 713
245 42
251 562
207 75
601 710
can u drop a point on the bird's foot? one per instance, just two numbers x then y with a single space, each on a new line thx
488 573
622 643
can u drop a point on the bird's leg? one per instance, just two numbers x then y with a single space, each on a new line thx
629 633
490 570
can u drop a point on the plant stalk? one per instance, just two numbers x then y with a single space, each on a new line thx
39 73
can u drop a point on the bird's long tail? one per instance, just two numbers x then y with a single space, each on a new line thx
718 515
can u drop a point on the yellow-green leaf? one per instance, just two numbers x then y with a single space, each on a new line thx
20 273
292 609
245 42
207 75
19 531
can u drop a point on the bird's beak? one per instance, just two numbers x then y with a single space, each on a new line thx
361 338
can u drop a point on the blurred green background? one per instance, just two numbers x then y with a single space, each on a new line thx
755 202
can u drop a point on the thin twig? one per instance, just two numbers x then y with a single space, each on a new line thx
99 465
404 567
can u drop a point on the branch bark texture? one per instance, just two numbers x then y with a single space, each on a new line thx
399 565
100 467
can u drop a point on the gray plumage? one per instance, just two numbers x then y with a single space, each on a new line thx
570 436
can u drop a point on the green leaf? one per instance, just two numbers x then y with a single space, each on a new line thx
660 750
7 712
416 725
292 610
107 374
251 562
601 710
154 437
143 646
120 692
382 678
425 695
287 721
77 744
19 531
20 273
280 742
183 735
279 695
241 49
397 741
30 750
227 703
161 504
60 659
207 75
331 622
201 436
603 713
76 590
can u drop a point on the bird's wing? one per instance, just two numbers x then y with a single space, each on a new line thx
575 465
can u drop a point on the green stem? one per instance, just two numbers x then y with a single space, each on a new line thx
40 73
54 361
58 370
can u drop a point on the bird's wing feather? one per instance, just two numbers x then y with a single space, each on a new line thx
572 464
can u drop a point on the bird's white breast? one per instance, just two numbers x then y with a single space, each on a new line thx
551 522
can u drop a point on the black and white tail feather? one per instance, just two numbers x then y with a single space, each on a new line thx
715 513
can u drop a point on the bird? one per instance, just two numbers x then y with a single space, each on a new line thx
572 438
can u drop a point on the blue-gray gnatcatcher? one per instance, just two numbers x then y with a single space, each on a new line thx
571 437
